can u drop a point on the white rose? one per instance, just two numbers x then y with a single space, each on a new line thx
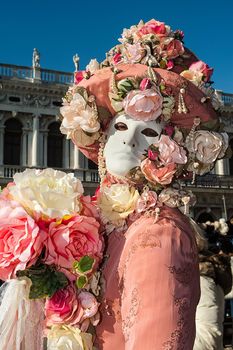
117 202
68 338
93 66
49 192
207 145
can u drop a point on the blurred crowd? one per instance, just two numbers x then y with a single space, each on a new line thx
215 309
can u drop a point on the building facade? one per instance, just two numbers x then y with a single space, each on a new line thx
30 136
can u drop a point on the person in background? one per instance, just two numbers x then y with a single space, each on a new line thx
216 282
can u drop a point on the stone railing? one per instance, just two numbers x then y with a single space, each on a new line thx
11 71
227 99
92 176
211 181
85 175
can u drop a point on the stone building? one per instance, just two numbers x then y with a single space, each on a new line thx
30 137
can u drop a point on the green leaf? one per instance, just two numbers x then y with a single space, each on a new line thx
126 85
84 265
46 280
81 281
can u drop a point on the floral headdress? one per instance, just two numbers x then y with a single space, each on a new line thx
150 76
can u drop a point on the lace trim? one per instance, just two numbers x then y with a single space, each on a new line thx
182 275
130 319
179 335
145 240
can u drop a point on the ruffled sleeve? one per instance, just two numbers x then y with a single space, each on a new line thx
160 286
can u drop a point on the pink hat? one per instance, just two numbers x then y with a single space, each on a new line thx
149 76
169 84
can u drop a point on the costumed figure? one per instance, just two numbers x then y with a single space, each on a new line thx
146 116
215 282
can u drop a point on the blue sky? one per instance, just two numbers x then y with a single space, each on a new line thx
60 28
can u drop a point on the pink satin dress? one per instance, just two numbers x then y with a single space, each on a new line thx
151 286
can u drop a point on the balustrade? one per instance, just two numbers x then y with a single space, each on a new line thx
46 75
84 175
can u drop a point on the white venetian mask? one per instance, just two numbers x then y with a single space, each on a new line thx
127 140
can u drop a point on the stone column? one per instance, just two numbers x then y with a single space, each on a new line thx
45 142
219 167
66 162
1 144
78 159
25 147
35 134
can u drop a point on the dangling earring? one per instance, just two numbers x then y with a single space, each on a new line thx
101 161
186 200
190 139
181 104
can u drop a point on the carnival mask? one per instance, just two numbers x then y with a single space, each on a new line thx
127 140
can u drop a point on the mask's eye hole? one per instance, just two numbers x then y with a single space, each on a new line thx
149 132
121 126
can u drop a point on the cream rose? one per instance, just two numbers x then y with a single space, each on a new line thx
77 114
194 76
69 338
207 145
47 192
117 202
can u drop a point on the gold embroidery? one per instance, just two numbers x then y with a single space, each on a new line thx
130 319
180 334
183 275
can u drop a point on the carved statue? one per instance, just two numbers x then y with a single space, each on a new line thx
36 59
76 62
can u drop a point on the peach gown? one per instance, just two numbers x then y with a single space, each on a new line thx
151 286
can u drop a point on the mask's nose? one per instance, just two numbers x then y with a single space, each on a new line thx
130 138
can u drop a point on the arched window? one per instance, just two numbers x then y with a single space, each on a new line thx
92 165
231 159
12 142
55 146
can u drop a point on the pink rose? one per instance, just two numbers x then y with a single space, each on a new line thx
174 49
145 84
21 240
5 193
170 151
88 207
143 105
134 53
153 27
152 155
63 307
147 201
72 239
79 76
117 58
203 68
170 64
169 130
162 176
89 304
179 34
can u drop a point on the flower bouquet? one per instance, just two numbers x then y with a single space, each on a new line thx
50 248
